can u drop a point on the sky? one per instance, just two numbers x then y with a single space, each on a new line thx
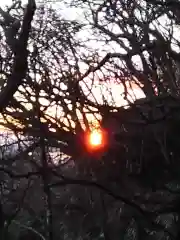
116 89
98 90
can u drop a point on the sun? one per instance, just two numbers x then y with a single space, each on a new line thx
96 138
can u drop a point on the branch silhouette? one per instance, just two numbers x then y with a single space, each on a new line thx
20 58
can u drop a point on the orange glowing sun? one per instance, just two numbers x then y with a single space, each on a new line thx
95 138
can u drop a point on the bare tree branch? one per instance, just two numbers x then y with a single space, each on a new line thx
20 58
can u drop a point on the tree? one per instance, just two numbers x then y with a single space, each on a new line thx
50 105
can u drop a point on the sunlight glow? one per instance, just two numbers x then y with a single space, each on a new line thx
96 138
